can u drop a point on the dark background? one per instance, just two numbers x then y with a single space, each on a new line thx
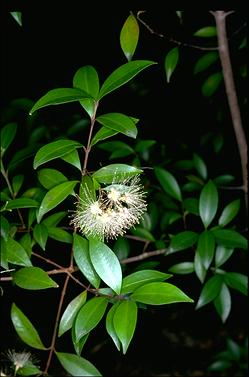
44 54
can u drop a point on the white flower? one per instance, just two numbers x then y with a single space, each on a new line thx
118 208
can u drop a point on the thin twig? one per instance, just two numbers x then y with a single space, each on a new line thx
142 256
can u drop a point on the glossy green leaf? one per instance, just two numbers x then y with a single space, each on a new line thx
122 75
33 278
211 84
102 134
89 316
117 172
170 62
182 240
110 326
59 96
78 345
25 329
18 18
53 150
129 36
106 264
54 197
16 254
139 278
206 32
191 205
70 312
182 268
229 212
124 321
86 78
5 227
142 233
4 254
223 180
21 203
53 220
159 293
237 281
77 365
206 247
50 178
208 203
205 61
87 186
223 303
29 370
200 270
7 135
222 254
26 243
73 159
230 238
17 182
40 234
60 234
118 122
210 291
83 261
168 183
117 148
200 166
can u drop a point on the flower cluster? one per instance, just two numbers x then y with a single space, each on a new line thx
118 208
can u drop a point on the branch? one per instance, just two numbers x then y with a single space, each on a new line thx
142 256
220 19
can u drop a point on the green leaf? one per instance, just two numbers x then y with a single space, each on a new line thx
124 321
77 365
86 78
206 32
211 84
117 149
182 240
54 150
50 178
210 291
205 61
83 261
168 183
205 248
25 329
223 179
54 197
89 316
170 62
208 203
33 278
26 243
102 134
229 212
78 345
159 293
59 96
73 159
59 234
139 278
191 205
40 234
16 254
5 227
121 248
21 203
21 155
53 220
143 233
230 238
110 326
18 18
237 281
223 303
118 122
200 166
129 36
200 270
70 313
106 264
17 182
7 135
222 254
122 75
29 370
119 172
182 268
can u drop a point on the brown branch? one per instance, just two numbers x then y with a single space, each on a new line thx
142 256
220 19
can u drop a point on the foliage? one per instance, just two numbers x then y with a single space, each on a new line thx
186 214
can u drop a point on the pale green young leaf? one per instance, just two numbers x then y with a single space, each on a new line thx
124 321
182 268
129 36
33 278
25 329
